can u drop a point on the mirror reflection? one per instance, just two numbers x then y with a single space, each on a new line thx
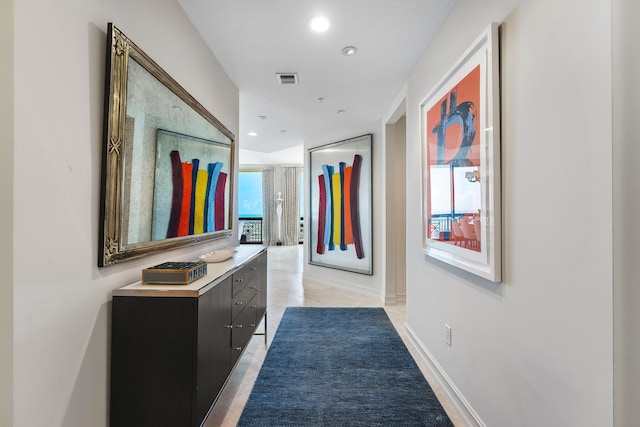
159 123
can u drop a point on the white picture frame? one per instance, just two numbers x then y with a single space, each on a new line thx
340 205
460 139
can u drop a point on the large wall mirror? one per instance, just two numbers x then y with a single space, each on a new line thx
167 162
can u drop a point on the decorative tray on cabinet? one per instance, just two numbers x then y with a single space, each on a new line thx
175 273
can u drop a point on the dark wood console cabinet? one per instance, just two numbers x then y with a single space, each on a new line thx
174 347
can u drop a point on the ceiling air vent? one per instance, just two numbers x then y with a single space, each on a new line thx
287 78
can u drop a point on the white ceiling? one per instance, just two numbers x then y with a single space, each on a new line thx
255 39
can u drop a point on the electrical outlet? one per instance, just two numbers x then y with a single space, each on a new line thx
447 334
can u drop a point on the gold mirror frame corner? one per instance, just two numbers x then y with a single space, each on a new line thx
112 250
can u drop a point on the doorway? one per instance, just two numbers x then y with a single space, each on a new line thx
395 206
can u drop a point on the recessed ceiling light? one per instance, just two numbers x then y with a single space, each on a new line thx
320 99
349 51
340 111
252 134
262 117
283 131
319 24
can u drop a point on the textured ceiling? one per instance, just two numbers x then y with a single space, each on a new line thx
255 39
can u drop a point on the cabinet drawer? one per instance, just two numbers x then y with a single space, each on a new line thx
241 300
243 328
245 276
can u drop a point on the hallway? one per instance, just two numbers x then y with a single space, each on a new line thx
286 289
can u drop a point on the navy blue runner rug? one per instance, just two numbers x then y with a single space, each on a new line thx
340 367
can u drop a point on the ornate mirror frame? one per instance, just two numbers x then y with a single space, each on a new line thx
118 161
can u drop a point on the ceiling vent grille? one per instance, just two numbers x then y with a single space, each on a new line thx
287 78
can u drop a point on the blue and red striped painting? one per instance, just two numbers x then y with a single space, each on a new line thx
339 211
198 198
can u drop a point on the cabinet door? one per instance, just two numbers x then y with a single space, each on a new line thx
152 357
214 345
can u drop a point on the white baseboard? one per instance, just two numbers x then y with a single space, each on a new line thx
463 407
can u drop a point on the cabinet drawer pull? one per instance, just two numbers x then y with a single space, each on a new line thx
239 303
228 326
239 326
253 306
253 325
253 269
239 280
237 348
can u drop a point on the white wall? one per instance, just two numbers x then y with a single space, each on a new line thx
62 299
6 212
537 348
360 283
626 228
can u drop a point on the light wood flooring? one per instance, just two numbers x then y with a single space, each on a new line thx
286 289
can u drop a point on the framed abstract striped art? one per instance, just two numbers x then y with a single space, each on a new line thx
340 221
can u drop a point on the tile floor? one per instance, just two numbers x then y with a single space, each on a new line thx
286 289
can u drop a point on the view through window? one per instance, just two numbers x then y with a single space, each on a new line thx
250 205
250 194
